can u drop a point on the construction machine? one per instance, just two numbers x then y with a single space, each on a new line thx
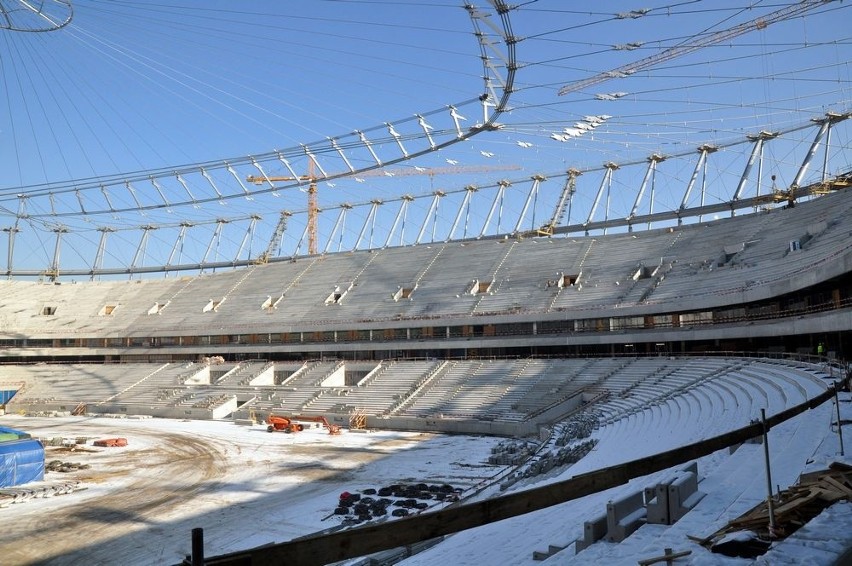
292 424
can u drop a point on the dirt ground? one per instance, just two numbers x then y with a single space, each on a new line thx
138 504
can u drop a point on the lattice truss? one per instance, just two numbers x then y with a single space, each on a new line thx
184 218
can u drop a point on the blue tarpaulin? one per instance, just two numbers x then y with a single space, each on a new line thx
21 460
5 396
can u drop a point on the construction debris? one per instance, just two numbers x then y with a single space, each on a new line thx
750 534
668 557
110 442
15 495
60 466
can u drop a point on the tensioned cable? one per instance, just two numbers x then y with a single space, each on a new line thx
185 85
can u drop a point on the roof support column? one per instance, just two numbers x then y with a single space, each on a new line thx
400 214
652 166
536 182
53 274
340 223
141 248
756 155
11 249
247 237
825 125
703 152
465 205
498 202
568 190
433 212
217 235
301 239
178 247
99 255
605 184
371 221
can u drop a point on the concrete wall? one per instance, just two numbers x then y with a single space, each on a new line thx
448 426
125 409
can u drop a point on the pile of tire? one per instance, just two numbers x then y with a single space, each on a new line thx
371 503
359 509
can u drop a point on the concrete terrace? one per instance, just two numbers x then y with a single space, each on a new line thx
692 266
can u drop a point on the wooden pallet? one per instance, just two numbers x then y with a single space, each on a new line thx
793 507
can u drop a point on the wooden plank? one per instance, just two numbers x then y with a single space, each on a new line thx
796 502
668 557
842 487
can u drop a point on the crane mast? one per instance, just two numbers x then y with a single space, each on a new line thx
568 191
313 209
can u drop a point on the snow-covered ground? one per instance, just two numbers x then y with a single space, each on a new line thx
734 483
246 487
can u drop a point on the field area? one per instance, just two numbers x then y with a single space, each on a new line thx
245 487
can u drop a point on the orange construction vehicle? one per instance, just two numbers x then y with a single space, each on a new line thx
291 424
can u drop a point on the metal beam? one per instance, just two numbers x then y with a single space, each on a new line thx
214 239
339 223
141 248
11 248
469 190
605 183
370 220
823 128
756 155
497 204
178 246
531 195
99 255
248 236
703 152
400 214
433 210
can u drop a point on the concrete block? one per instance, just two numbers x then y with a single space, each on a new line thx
624 516
683 495
657 504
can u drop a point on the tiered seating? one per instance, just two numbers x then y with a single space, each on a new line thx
297 389
607 264
392 383
444 288
697 269
390 269
672 379
239 374
186 303
764 259
440 388
84 383
544 382
524 377
29 388
632 378
482 390
305 299
642 390
155 385
527 280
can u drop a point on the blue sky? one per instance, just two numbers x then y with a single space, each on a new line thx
130 87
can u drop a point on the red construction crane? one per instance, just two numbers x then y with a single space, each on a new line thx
312 178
